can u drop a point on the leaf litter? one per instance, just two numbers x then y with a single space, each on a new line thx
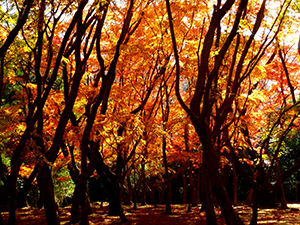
148 214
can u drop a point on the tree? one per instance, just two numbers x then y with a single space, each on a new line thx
212 109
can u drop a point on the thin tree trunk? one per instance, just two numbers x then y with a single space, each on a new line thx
128 198
198 186
168 209
152 191
184 189
255 208
192 199
234 185
135 194
250 196
282 195
143 197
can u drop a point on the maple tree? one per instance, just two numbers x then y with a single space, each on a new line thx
214 109
142 94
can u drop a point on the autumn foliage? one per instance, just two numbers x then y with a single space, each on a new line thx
159 101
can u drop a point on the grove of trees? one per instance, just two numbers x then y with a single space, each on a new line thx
159 101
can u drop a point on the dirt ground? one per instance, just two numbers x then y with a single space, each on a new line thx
154 216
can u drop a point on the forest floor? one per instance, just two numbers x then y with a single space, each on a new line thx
155 216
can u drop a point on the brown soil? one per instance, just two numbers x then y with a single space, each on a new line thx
155 216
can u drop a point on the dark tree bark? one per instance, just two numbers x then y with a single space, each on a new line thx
152 190
183 199
143 177
22 196
128 198
47 194
235 179
168 209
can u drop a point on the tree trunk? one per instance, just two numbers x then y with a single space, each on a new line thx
198 186
282 195
77 204
250 196
168 209
135 196
45 184
161 191
255 208
184 189
75 213
83 202
143 197
115 208
230 216
1 220
128 198
211 158
10 189
152 191
207 198
22 196
12 206
192 199
234 185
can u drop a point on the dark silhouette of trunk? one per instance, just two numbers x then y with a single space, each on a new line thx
198 172
74 173
168 209
211 159
128 198
75 212
255 207
12 204
115 207
207 197
137 188
143 177
161 189
184 188
45 184
77 205
281 189
152 191
192 180
3 173
22 196
234 185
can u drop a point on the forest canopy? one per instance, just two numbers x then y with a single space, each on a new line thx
148 101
